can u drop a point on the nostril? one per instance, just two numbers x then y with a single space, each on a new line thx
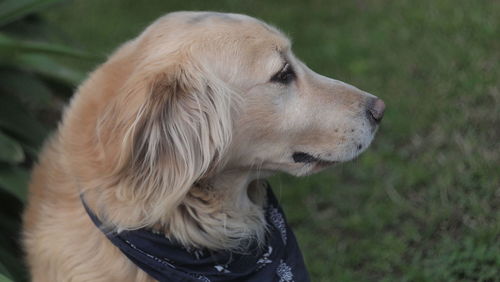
375 111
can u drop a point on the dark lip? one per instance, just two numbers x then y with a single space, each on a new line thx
302 157
326 163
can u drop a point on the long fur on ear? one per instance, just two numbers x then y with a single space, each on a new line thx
174 124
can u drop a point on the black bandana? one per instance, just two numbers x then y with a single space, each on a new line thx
279 260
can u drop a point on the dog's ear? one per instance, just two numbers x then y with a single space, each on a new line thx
173 124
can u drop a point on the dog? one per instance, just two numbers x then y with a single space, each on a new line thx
173 135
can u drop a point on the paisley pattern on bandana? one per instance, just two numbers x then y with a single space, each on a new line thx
265 258
279 222
279 260
202 278
284 272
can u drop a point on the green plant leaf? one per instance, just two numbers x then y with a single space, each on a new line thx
12 10
10 45
14 180
4 274
30 89
18 122
4 278
48 67
10 150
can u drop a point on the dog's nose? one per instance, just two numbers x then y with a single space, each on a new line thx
375 110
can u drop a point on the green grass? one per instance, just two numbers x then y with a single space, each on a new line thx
423 203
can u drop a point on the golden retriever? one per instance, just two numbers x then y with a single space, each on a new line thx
172 132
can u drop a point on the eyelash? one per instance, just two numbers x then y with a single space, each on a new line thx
284 76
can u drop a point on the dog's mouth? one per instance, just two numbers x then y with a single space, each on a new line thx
302 157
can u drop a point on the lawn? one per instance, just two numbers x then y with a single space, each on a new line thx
423 203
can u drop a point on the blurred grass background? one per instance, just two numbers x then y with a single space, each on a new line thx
422 204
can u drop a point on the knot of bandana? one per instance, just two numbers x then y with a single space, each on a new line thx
279 260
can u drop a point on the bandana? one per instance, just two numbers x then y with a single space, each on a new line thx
279 260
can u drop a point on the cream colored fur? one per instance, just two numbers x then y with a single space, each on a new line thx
172 133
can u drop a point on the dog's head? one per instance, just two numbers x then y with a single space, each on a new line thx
285 117
205 92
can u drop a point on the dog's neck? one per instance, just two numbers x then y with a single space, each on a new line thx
223 212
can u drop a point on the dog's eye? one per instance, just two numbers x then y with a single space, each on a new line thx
284 76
